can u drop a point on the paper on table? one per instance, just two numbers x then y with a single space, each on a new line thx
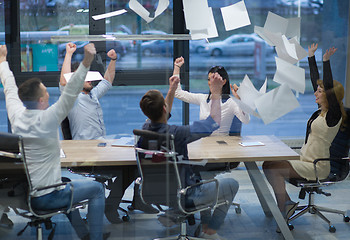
197 14
251 144
124 142
144 13
108 15
90 76
290 74
235 16
276 103
210 32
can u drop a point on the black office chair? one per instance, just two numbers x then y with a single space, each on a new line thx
339 161
14 172
160 181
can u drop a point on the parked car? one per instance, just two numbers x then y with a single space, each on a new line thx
79 53
152 47
197 46
239 44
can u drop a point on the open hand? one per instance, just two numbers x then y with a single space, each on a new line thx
312 49
329 53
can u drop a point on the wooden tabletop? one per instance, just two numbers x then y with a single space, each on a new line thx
87 153
228 149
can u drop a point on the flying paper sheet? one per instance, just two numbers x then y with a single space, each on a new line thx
290 74
144 13
107 15
245 108
275 23
210 32
248 93
235 16
197 14
90 76
263 87
276 103
301 52
293 28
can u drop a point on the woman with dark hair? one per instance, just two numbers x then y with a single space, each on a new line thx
321 129
229 108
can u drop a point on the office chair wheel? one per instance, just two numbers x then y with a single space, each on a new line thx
290 226
332 229
346 219
126 218
238 210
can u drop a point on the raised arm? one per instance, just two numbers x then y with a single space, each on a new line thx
110 73
216 83
334 112
177 66
13 104
314 75
66 66
169 99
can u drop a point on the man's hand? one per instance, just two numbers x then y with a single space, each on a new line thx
216 83
112 55
173 82
179 62
312 49
71 48
329 53
3 53
89 54
234 89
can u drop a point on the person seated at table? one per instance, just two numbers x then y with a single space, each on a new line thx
157 109
322 127
31 117
229 108
86 123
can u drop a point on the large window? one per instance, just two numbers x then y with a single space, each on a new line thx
3 113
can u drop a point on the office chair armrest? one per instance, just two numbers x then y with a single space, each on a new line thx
339 160
69 207
184 191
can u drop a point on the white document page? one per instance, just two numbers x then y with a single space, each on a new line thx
268 36
210 32
197 14
235 16
276 103
290 74
108 15
90 76
245 108
293 28
263 87
144 13
248 93
275 23
301 52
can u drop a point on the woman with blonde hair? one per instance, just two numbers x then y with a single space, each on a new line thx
322 127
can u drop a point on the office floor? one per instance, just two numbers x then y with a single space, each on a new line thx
250 224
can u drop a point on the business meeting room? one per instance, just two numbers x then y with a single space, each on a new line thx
174 119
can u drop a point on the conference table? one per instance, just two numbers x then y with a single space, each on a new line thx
247 149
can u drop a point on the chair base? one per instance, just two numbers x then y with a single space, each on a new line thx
313 209
182 236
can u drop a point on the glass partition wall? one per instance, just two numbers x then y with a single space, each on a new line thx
142 62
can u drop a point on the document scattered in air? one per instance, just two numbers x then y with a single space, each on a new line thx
62 154
209 32
276 103
290 74
90 76
144 13
251 144
108 15
197 14
235 16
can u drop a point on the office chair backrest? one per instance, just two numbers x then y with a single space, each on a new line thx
159 173
340 149
67 134
11 158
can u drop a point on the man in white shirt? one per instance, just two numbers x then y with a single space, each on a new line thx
31 117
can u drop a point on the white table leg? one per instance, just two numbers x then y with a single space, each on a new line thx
266 199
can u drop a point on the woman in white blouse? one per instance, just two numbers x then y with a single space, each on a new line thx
229 108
